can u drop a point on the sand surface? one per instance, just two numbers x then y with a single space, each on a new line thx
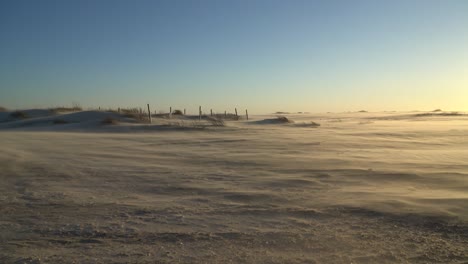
359 188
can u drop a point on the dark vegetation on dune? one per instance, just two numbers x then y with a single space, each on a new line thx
283 119
439 113
59 122
308 124
133 113
277 120
214 121
19 115
66 109
177 112
109 121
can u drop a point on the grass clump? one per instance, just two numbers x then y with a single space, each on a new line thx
135 114
3 109
59 122
177 112
19 115
109 121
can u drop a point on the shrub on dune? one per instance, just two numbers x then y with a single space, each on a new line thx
3 109
283 119
177 112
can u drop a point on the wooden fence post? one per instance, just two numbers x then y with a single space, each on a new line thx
211 112
225 114
246 114
149 113
199 113
236 110
170 112
184 111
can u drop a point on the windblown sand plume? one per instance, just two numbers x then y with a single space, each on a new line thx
371 188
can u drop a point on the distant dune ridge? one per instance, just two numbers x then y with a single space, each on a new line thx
362 187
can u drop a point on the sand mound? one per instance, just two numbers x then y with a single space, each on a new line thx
9 116
421 116
272 121
46 119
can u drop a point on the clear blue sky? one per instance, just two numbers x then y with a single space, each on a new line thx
265 55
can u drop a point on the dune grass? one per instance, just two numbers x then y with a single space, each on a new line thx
19 115
74 108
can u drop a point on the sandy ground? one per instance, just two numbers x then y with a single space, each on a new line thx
360 188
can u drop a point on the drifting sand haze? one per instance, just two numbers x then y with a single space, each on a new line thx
360 188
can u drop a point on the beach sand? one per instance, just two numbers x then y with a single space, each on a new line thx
359 188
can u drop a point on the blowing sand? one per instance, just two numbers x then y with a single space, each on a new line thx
359 188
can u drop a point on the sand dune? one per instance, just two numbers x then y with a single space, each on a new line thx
359 188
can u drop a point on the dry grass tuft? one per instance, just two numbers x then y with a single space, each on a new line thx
109 121
214 121
135 114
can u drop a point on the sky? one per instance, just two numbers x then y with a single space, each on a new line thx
263 55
